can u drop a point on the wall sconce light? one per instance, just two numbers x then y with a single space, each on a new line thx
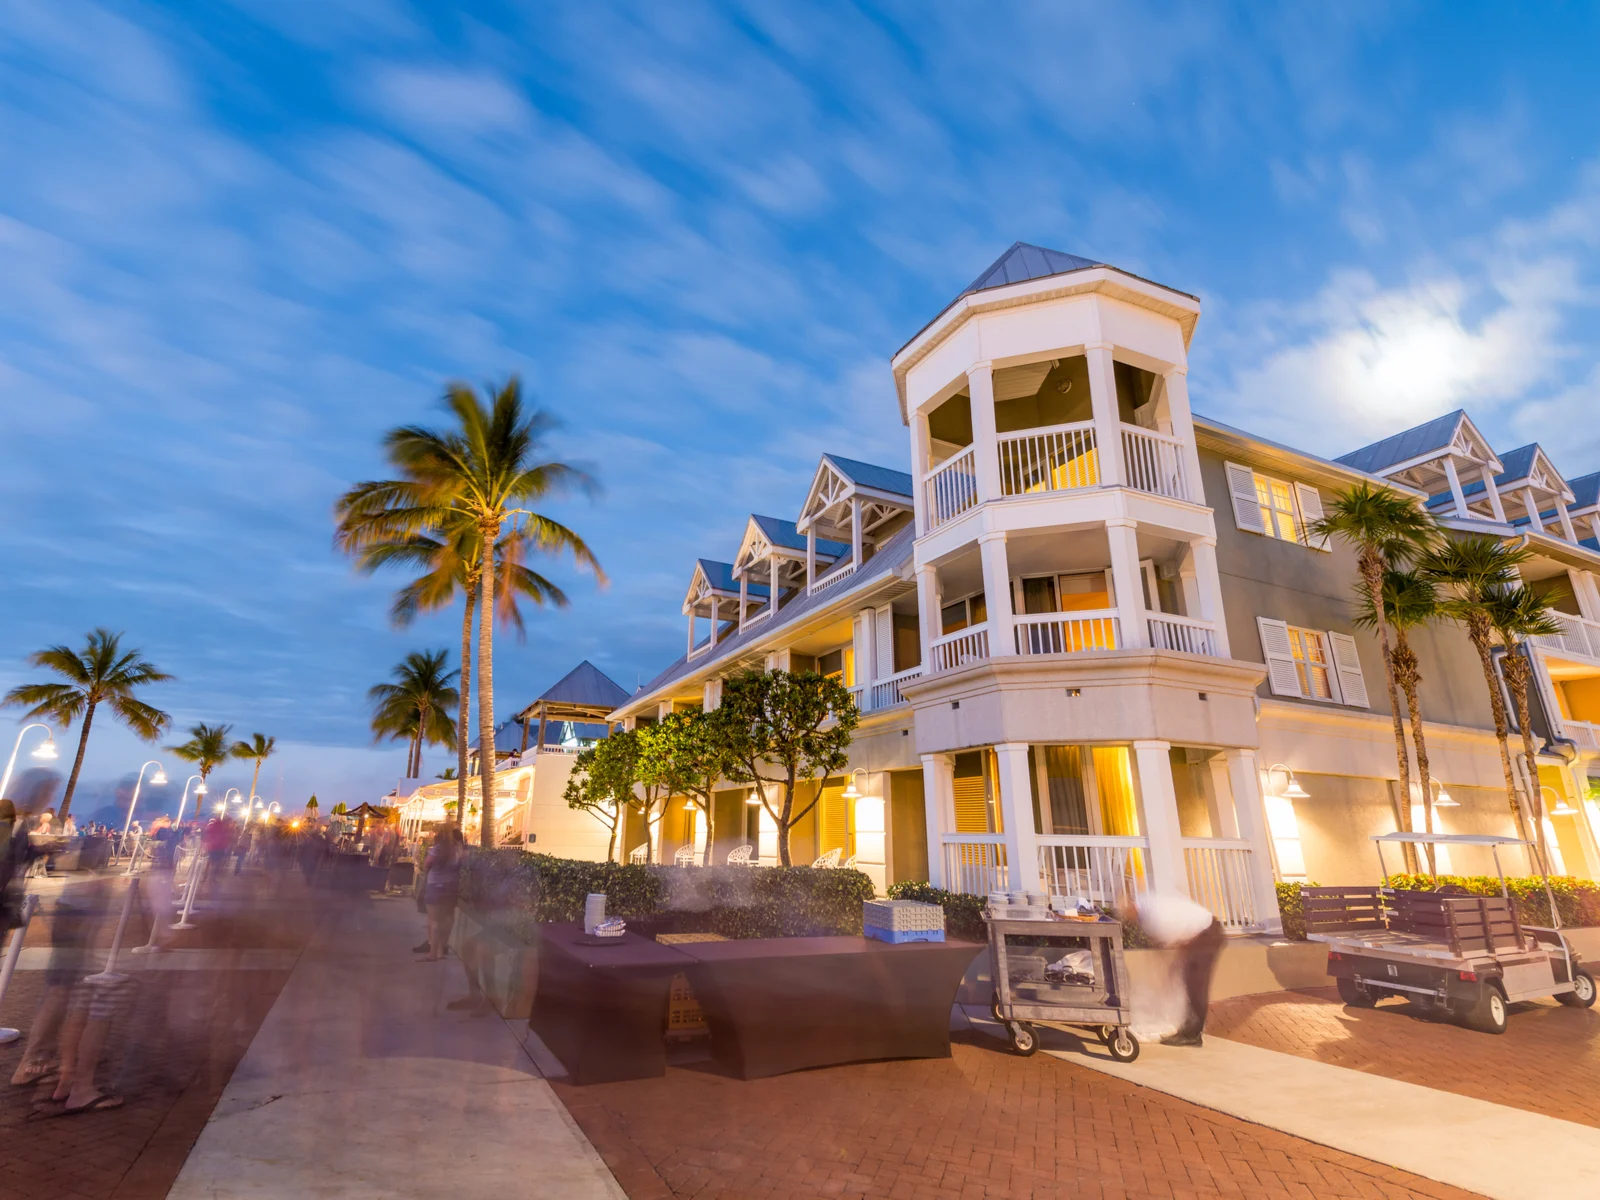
1291 789
1443 799
851 792
1561 808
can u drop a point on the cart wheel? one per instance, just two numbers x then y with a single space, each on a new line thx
1582 993
1354 994
1023 1039
994 1010
1106 1033
1488 1015
1124 1047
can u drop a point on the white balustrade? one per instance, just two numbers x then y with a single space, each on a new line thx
1098 868
952 487
837 574
1586 734
1219 872
1055 458
960 648
975 863
1068 633
886 692
1154 462
1577 636
1168 632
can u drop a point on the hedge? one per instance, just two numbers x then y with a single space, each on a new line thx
1577 900
521 890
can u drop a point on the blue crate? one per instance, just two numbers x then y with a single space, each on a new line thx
896 937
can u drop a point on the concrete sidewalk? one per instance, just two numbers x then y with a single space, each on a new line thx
360 1083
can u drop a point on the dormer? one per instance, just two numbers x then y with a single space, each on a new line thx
1447 458
773 553
1585 509
714 597
854 504
1529 485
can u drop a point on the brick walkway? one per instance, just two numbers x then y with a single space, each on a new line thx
982 1125
1547 1061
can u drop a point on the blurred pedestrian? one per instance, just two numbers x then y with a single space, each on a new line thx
442 889
1178 923
157 886
215 842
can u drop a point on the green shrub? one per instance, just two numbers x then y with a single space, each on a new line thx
1577 900
1291 909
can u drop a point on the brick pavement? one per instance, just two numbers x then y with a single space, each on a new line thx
1546 1062
982 1125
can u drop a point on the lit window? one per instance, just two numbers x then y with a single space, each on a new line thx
1278 513
1311 662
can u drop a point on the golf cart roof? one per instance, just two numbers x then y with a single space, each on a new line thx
1450 839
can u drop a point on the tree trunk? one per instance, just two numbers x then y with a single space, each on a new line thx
77 763
488 530
1516 668
1478 631
254 779
1372 576
706 859
423 712
784 822
465 717
1409 676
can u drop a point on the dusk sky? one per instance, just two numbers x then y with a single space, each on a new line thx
239 241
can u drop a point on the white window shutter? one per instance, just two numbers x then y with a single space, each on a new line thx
885 630
1347 663
1279 654
1310 511
1246 504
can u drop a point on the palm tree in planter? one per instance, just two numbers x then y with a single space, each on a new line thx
1473 571
1517 614
489 466
207 748
1387 531
417 705
259 748
1410 601
101 673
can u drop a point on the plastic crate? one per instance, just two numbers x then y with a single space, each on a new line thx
896 937
903 916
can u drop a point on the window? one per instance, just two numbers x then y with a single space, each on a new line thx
1274 508
839 664
962 613
1312 664
1311 661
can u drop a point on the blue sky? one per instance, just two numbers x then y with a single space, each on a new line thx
238 241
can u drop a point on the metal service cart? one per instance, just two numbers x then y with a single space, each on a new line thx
1062 972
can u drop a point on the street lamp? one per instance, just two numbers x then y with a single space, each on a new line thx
159 779
198 792
45 750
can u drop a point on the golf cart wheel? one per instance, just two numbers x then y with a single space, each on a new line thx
1023 1038
1488 1015
1124 1047
1582 993
1355 994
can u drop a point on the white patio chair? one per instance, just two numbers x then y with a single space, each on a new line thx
684 857
828 860
850 863
739 856
639 853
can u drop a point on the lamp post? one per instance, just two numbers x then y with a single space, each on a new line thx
159 779
44 750
184 803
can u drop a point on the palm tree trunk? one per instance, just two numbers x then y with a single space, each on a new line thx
1408 675
466 704
1477 630
486 764
254 779
1516 669
77 763
1372 576
423 712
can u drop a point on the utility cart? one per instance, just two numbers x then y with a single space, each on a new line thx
1464 955
1061 972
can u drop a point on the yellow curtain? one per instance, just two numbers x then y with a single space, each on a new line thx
1113 769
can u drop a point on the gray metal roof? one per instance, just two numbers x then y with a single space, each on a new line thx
882 479
1408 444
720 576
1585 490
1517 463
784 533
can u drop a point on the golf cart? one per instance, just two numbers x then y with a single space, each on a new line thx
1467 956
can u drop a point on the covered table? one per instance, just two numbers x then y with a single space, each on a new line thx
601 1008
785 1004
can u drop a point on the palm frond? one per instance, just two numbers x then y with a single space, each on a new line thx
147 721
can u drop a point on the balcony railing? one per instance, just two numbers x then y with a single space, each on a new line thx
1056 458
1095 868
1068 633
1154 462
1577 636
960 648
975 863
1219 872
837 574
886 692
1586 734
1168 632
952 487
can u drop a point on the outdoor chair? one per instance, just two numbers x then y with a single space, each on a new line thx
739 856
639 853
684 857
828 860
850 863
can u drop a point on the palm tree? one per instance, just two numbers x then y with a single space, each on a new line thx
101 673
207 748
1518 613
1474 570
1410 601
1386 530
487 467
259 748
416 706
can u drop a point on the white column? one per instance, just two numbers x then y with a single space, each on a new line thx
711 695
864 642
1208 583
938 797
986 442
920 445
1107 421
1122 535
1016 816
1161 828
1250 811
1177 379
663 710
811 557
1562 515
716 617
691 633
855 531
775 565
1455 487
928 613
1594 525
1531 503
997 593
1585 593
744 599
1485 474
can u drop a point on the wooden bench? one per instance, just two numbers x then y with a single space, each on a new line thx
1464 923
1332 910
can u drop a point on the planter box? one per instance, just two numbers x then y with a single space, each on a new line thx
505 970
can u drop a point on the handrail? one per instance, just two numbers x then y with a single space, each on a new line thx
1068 632
836 572
952 487
1116 841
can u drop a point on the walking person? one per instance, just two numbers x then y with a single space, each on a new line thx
1178 923
157 886
441 890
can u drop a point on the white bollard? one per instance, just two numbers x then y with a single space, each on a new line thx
29 904
188 899
109 975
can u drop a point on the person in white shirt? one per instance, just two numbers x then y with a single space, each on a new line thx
1179 923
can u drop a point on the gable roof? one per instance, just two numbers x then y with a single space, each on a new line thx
586 685
720 576
1416 442
1585 490
882 479
1517 463
779 532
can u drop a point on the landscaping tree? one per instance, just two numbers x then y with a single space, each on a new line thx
687 753
207 748
259 748
602 783
101 673
781 729
416 706
1518 613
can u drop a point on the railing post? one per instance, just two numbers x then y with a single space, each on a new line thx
1167 870
938 799
1016 816
1251 813
1123 537
1177 381
997 594
985 441
1107 421
1203 555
